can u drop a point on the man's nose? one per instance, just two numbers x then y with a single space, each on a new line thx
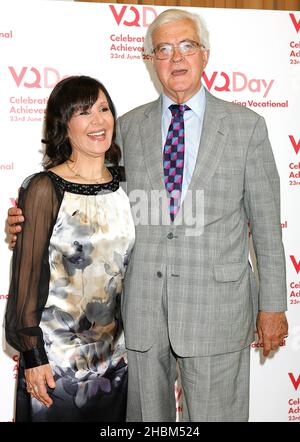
176 55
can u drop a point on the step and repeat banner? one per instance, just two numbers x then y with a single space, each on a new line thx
254 62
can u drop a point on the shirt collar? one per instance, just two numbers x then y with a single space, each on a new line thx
196 103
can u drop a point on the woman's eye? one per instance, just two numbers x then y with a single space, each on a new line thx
104 109
83 113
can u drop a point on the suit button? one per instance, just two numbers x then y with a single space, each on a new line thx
170 235
159 274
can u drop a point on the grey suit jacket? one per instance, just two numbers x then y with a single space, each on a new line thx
211 292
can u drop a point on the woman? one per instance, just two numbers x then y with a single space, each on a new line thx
63 312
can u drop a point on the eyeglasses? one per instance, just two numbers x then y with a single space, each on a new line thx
165 51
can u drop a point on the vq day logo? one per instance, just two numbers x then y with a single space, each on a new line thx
131 16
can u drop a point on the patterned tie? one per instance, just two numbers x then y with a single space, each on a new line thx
173 158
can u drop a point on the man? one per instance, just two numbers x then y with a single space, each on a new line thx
190 297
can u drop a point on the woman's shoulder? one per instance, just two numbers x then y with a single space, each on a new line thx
37 180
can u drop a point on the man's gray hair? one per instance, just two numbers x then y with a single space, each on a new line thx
171 16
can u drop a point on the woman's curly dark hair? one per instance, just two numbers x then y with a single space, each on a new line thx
69 95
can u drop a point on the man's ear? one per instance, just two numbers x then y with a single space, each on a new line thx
205 57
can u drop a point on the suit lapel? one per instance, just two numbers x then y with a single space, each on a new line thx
213 137
152 145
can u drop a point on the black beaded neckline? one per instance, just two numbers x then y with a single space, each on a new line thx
88 189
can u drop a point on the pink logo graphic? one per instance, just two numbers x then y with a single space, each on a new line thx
35 78
295 263
295 382
221 81
133 15
295 22
296 145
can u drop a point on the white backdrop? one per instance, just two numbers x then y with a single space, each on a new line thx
255 61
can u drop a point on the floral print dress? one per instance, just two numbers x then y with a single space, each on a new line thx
89 246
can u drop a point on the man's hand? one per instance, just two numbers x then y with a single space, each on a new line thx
14 219
272 328
37 379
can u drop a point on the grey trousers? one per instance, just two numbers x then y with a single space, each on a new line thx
215 388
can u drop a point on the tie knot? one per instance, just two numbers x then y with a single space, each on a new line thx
178 109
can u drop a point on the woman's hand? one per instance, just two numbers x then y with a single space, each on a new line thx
37 379
14 219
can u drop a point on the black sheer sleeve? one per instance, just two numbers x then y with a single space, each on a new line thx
39 201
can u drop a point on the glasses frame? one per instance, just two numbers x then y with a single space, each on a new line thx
172 46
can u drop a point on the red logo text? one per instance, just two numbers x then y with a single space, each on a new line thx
35 78
16 366
131 16
295 263
6 34
295 144
295 22
295 382
237 82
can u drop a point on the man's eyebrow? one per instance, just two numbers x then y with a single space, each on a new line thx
181 41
